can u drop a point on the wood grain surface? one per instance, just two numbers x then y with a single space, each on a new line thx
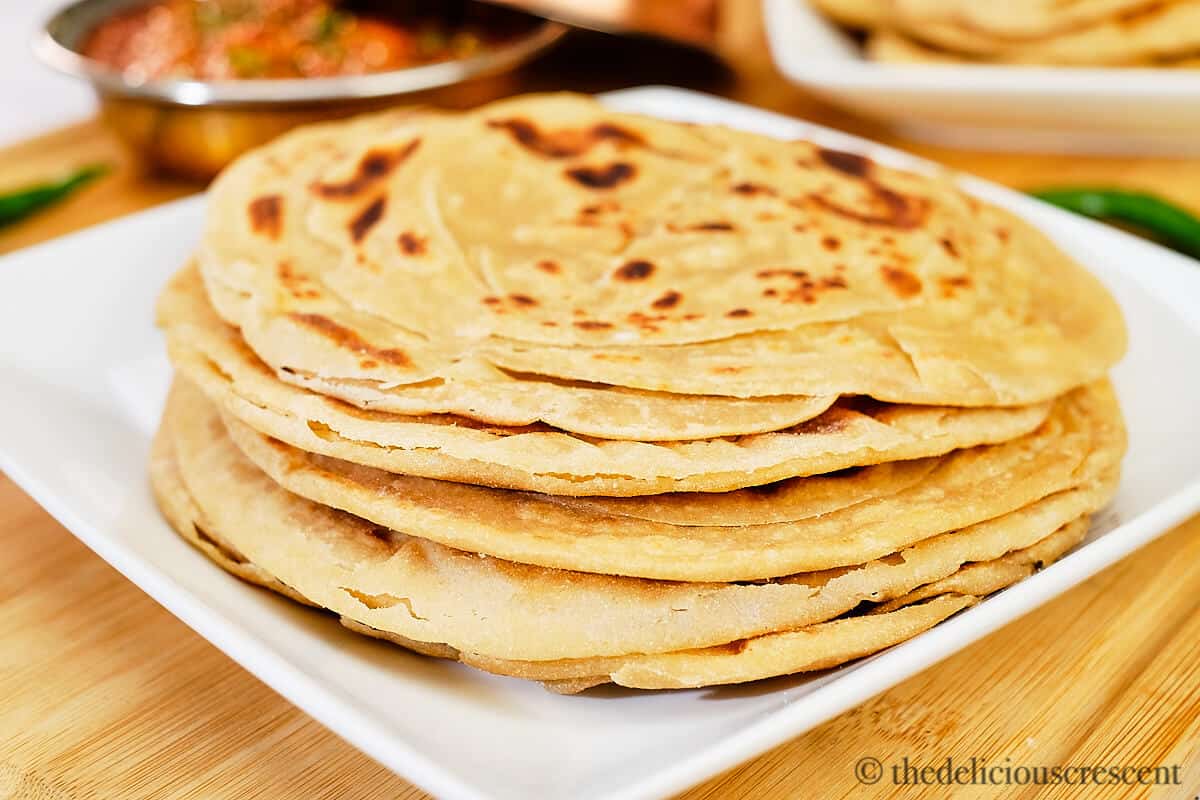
103 694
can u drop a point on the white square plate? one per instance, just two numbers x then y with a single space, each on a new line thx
83 380
1046 109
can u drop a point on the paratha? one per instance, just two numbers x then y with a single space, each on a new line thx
549 236
433 595
484 393
855 13
539 458
889 46
1155 32
806 649
1020 19
1063 470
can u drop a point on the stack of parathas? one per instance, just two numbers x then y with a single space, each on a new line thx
584 397
1146 33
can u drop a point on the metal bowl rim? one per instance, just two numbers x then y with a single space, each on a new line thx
287 91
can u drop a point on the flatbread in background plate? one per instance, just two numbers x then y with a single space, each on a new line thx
888 46
552 237
1160 31
863 14
1020 19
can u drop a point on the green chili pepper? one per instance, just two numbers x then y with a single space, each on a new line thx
1167 223
23 202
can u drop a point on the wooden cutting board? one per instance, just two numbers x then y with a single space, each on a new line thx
105 695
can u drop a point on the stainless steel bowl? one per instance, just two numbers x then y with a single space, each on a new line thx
194 128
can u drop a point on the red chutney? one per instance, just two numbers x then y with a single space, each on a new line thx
240 39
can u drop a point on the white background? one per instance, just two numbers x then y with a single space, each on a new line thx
33 98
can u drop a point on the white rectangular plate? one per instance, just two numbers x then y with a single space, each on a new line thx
1046 109
83 380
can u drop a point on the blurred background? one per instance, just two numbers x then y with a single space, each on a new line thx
36 97
1121 95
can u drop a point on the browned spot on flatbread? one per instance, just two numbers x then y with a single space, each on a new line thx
628 358
522 300
902 282
266 215
846 163
565 142
727 370
634 271
627 233
951 284
889 208
668 299
360 225
299 286
592 324
831 243
804 287
949 246
344 337
594 209
748 189
606 177
549 267
411 244
374 166
647 322
738 313
716 226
